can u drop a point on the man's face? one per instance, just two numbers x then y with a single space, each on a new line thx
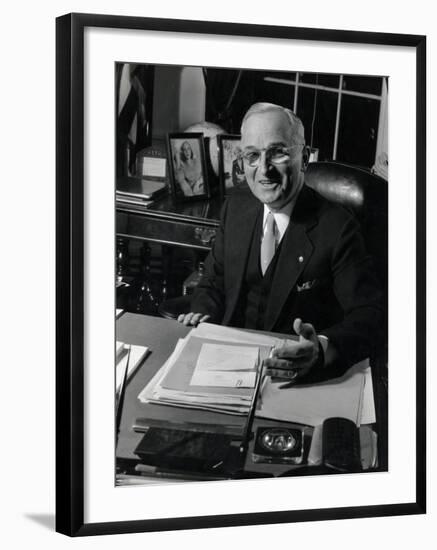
273 184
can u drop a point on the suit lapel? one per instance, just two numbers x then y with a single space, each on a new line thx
296 250
236 260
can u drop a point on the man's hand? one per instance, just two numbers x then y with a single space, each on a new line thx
294 361
192 319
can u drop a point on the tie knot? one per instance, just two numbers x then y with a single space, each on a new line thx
271 226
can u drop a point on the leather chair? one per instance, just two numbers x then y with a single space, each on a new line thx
363 193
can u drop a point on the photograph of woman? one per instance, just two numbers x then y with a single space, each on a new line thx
188 165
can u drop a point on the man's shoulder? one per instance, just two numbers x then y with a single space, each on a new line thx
312 205
333 211
241 199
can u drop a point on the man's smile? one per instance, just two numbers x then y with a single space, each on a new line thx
269 183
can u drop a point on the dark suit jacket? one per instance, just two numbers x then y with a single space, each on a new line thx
323 274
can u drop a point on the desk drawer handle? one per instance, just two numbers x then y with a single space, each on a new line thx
206 236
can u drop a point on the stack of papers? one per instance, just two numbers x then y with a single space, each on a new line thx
139 191
210 369
226 366
214 368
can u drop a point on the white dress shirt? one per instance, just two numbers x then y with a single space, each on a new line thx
282 219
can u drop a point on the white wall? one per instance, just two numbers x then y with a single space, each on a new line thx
181 94
27 230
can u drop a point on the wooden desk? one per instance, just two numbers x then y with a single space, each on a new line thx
161 335
167 222
170 224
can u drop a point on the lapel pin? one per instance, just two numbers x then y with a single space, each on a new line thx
300 259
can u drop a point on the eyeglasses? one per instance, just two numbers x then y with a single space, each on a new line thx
274 154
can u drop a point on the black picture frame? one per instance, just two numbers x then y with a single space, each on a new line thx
70 482
231 174
184 187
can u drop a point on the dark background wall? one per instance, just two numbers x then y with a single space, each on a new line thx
340 113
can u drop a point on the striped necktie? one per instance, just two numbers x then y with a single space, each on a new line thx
269 242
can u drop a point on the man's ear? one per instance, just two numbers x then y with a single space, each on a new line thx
305 157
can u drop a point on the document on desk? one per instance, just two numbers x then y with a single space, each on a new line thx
311 404
179 376
221 365
223 379
223 357
195 377
229 334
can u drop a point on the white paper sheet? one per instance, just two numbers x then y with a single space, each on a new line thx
223 379
219 357
344 397
218 332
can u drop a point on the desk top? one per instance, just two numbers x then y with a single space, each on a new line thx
160 336
145 331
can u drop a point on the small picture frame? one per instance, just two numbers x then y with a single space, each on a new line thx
231 168
187 162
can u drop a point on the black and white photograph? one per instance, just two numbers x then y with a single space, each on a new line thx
238 327
186 155
231 163
252 337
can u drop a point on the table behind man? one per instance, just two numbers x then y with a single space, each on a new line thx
284 255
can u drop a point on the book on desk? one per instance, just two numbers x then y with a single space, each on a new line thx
139 191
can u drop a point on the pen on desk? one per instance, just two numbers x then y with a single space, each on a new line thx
120 400
251 414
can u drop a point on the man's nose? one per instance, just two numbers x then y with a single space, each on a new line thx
265 166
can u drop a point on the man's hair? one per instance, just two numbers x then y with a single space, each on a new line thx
297 129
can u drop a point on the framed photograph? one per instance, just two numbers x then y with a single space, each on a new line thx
230 163
188 174
287 92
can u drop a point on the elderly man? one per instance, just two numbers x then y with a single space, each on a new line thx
286 259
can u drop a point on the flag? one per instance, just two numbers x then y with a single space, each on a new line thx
134 113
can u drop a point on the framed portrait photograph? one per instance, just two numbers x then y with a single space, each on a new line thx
231 163
254 356
188 172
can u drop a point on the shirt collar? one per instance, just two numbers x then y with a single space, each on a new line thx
282 218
